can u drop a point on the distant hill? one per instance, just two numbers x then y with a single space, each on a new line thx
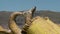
4 17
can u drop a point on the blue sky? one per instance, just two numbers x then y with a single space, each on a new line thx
18 5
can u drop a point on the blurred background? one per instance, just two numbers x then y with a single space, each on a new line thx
18 5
